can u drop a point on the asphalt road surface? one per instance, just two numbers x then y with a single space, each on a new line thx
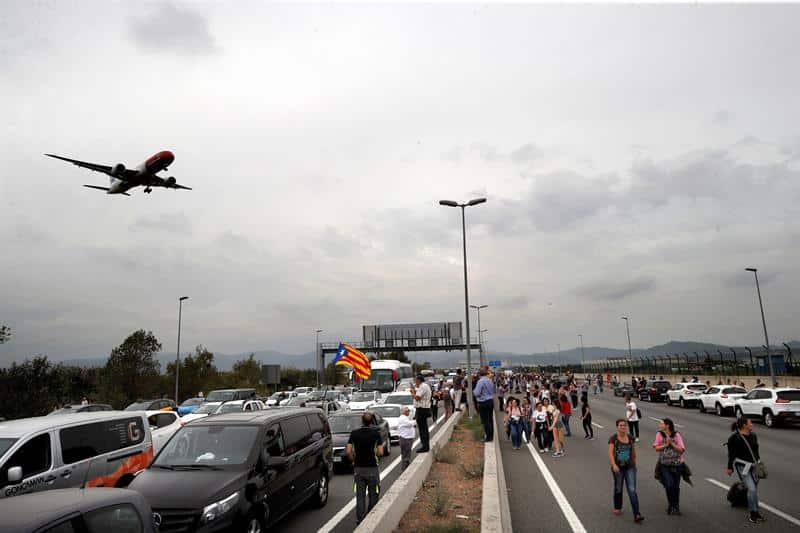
573 493
339 515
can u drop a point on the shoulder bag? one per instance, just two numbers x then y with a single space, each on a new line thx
761 468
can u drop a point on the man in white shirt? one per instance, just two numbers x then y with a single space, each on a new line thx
632 415
422 407
405 431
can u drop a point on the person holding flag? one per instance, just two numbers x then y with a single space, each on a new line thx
355 359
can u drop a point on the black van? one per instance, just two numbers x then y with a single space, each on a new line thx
239 471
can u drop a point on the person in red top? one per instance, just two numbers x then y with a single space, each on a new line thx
566 411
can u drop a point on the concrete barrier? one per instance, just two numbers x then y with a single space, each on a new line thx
495 509
393 504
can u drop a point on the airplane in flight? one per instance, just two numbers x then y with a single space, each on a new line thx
123 179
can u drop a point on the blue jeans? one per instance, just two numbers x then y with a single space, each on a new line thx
565 419
516 433
671 479
626 475
751 482
525 428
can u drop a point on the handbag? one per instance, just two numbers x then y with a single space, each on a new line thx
761 468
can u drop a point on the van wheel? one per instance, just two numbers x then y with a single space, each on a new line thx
320 497
255 524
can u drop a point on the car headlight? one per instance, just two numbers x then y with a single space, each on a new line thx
217 509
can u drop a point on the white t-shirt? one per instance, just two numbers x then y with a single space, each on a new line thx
405 427
630 412
424 393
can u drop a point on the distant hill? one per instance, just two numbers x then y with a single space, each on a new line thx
223 362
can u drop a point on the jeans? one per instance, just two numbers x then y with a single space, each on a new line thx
587 426
633 429
751 482
671 479
367 484
405 451
421 416
525 429
486 410
565 419
626 475
516 433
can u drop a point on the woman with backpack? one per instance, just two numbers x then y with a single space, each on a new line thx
744 458
670 447
622 456
515 422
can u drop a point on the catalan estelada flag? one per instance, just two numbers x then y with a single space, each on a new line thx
347 355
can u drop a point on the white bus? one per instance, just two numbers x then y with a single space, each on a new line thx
386 375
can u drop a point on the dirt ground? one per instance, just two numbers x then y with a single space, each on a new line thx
450 499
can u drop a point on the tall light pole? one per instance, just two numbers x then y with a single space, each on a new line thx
764 322
628 330
178 350
473 202
583 360
480 337
320 365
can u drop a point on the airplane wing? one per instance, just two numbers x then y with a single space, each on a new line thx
168 183
105 169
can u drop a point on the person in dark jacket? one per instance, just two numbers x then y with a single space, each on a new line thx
742 456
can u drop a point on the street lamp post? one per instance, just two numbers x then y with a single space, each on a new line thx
628 330
583 360
178 350
480 338
320 364
473 202
764 323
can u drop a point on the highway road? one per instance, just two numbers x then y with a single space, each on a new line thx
339 515
574 493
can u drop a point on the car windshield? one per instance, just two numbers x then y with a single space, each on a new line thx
221 396
344 424
5 444
206 408
362 397
192 401
696 387
402 399
734 390
139 406
387 411
229 408
212 445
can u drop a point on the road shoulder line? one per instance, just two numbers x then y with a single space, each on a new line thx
569 513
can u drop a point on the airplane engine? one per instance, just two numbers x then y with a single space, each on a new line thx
171 181
118 169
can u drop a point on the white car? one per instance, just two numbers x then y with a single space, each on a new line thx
303 390
685 394
390 412
237 406
721 399
201 412
278 397
773 406
292 395
401 398
163 424
361 401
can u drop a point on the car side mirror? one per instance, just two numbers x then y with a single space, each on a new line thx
14 474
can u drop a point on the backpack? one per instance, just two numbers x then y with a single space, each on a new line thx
737 495
622 456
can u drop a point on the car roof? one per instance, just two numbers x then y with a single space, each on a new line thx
24 426
160 412
264 416
31 511
232 390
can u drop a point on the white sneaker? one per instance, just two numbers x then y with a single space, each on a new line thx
637 439
542 451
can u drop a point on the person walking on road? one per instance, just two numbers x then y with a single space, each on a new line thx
458 386
586 418
527 412
622 456
632 416
484 394
514 419
670 447
422 407
743 457
501 395
566 412
363 449
405 432
447 399
557 427
539 420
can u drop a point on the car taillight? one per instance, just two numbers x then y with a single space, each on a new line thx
781 400
688 392
653 389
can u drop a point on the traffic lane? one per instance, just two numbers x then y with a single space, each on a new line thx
706 454
340 493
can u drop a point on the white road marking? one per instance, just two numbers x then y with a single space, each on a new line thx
660 419
595 424
769 508
349 506
569 513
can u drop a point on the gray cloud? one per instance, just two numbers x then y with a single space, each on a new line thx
177 223
514 303
525 153
723 117
171 28
614 291
746 279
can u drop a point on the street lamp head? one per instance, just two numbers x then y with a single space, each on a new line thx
623 318
448 203
182 298
751 269
319 331
476 201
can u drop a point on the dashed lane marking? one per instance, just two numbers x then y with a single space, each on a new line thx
660 419
595 424
569 513
769 508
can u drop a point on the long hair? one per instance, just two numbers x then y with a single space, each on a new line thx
739 424
670 425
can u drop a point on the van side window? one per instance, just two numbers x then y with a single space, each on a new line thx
295 433
34 457
274 443
315 424
161 420
90 440
64 527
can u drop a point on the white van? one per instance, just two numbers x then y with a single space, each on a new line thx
101 449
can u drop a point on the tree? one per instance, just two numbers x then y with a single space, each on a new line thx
197 373
132 372
5 333
246 373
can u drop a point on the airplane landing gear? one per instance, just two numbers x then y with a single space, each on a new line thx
148 190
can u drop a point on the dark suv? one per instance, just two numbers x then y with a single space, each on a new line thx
654 390
239 471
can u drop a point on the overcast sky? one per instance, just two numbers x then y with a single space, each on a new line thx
635 159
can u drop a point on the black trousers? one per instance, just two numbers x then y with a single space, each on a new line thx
486 410
422 415
587 426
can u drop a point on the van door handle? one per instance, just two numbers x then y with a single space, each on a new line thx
50 480
65 474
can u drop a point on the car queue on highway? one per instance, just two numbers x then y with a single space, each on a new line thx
230 463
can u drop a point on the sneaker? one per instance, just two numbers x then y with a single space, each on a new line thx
753 518
591 438
638 519
618 512
637 440
542 451
760 517
677 511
